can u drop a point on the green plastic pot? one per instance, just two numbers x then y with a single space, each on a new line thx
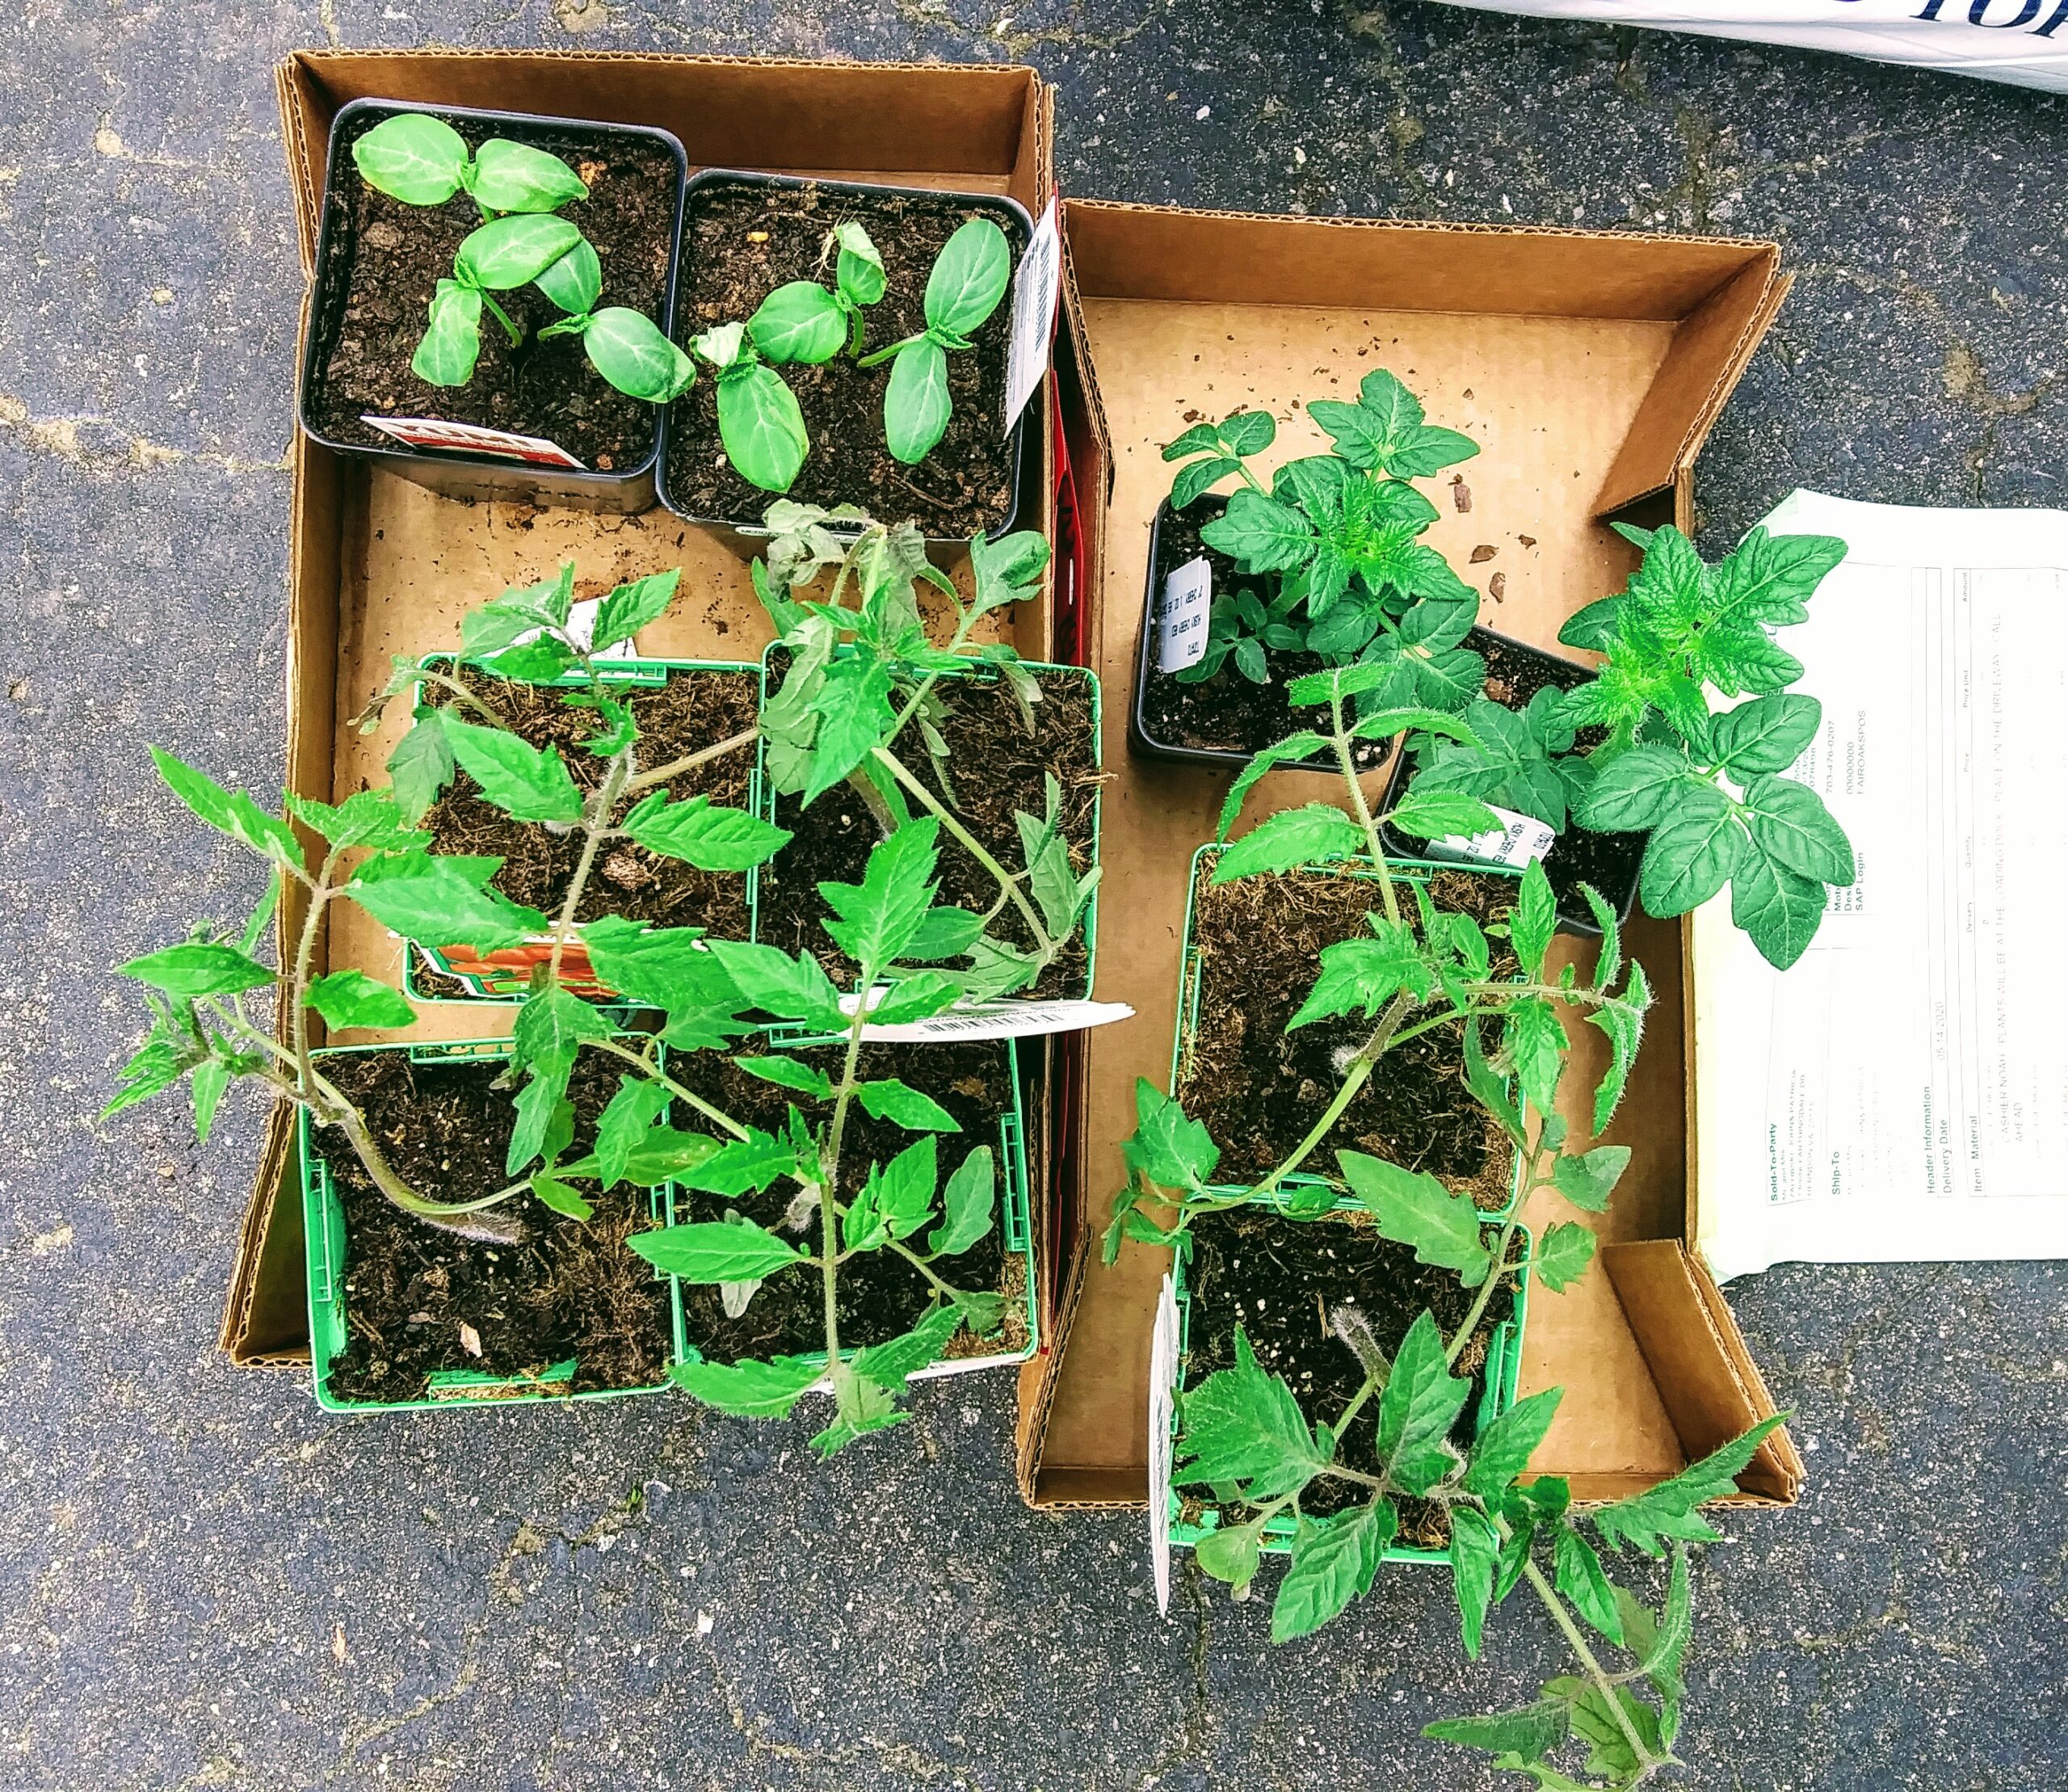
1498 1393
323 1225
978 670
1416 870
513 988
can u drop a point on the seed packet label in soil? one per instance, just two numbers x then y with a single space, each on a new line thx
1519 840
1162 1400
997 1020
430 432
1035 289
1182 617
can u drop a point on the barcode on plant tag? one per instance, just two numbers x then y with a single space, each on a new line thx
1182 617
434 432
998 1020
1034 288
1519 840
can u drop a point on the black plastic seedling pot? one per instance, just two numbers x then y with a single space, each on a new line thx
863 201
1617 857
1142 735
462 473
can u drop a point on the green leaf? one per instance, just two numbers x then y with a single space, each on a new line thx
968 1204
230 812
709 1251
1623 1022
198 968
1475 1549
631 352
1200 476
878 918
1580 1580
790 989
624 1124
1639 788
854 712
968 279
1420 1406
1169 1148
1588 1181
749 1389
1767 735
902 1105
919 996
1231 1553
556 1194
211 1079
552 1026
575 282
366 817
1770 578
507 253
1316 834
859 270
1504 1445
1563 1255
631 606
352 998
542 1109
889 1365
1361 976
657 967
514 177
904 1195
1790 824
1592 627
859 1406
1413 1208
1333 1561
657 1156
697 833
761 426
1490 1091
1243 1424
1533 920
789 1073
942 933
1689 857
422 764
1661 1662
1303 745
1536 1040
1647 1520
1778 909
1527 1734
1261 534
798 322
740 1165
916 404
528 785
412 157
1433 814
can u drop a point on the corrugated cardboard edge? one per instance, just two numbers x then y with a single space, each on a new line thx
1713 1389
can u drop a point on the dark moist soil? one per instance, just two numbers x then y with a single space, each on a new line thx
691 710
965 486
1277 1278
571 1289
996 769
881 1296
1515 674
1257 1088
1227 712
386 260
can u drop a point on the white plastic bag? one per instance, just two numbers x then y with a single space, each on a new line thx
2024 42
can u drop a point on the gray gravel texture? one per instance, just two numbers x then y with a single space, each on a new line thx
206 1581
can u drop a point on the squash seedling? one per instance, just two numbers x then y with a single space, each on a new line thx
968 279
422 161
1241 1437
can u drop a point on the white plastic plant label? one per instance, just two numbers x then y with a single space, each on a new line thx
1519 840
433 432
1181 618
995 1020
1162 1405
2024 42
1035 288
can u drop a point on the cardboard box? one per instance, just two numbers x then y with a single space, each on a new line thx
1589 367
380 566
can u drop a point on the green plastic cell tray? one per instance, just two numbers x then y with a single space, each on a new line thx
1503 1367
509 984
324 1223
977 670
1416 870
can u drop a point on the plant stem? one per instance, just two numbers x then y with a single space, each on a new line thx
1341 742
828 1168
716 1116
430 675
1045 946
1354 1080
502 318
596 822
885 354
689 761
1648 1763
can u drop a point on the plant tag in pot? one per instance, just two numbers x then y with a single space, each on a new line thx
1519 840
1163 1441
1034 288
1003 1019
432 432
1182 617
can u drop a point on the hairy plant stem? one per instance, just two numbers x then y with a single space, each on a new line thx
884 353
828 1168
717 1116
1354 1080
1045 947
1648 1763
689 761
1341 741
502 317
428 675
595 824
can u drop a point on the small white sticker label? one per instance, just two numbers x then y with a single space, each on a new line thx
1519 840
433 432
996 1020
1035 289
1182 617
1162 1406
